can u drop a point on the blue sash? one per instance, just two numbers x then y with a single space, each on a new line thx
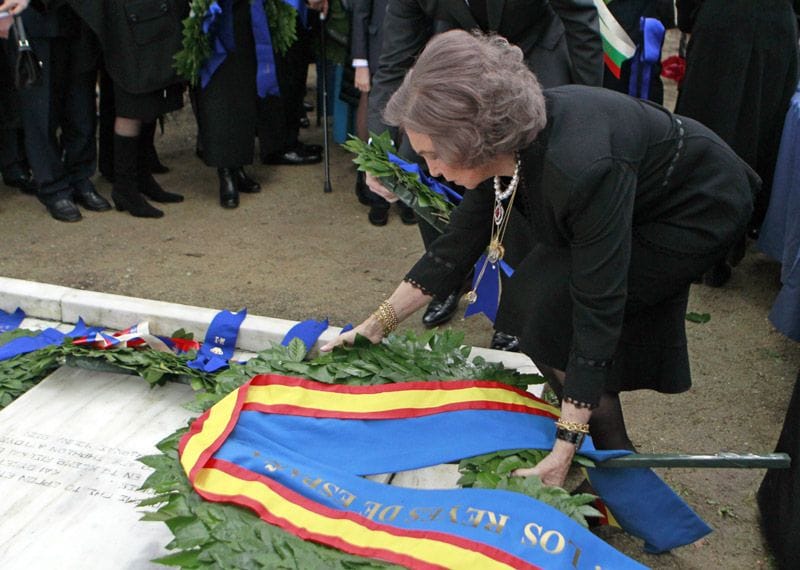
11 321
647 55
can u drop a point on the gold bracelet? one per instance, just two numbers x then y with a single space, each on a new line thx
387 317
573 426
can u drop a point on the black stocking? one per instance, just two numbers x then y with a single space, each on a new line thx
607 423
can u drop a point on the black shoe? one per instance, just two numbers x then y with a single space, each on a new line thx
407 215
228 194
292 158
441 311
309 148
718 275
153 190
378 215
503 341
307 107
64 210
362 190
86 195
17 177
304 122
135 204
244 183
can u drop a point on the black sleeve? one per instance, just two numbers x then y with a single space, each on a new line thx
359 33
599 223
687 11
443 268
406 29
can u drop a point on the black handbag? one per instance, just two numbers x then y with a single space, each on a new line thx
348 92
28 68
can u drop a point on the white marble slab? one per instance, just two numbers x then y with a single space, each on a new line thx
436 477
36 299
69 475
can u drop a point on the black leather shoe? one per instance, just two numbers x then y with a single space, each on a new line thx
292 158
64 210
309 148
407 215
244 183
308 107
362 190
17 177
440 311
503 341
304 122
228 194
378 216
718 275
86 195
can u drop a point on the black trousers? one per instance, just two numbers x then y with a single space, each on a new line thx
58 116
279 117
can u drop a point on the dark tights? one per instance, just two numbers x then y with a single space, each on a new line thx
607 423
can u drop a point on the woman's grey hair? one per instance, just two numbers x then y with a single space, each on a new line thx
473 95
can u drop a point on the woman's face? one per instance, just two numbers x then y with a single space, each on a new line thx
461 175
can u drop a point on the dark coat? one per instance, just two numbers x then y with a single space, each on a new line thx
741 72
366 31
560 40
623 203
138 38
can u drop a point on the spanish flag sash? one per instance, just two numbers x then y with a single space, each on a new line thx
295 451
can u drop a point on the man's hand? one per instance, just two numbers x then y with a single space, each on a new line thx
318 5
5 26
362 79
375 185
13 7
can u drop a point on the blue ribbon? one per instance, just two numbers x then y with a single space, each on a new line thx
11 321
307 331
647 55
220 342
48 337
218 26
488 288
443 190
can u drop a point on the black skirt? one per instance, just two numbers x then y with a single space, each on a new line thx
147 107
652 352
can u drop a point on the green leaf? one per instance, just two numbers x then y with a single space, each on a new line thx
700 318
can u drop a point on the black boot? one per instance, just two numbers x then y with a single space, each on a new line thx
147 184
150 157
125 193
362 191
228 193
244 183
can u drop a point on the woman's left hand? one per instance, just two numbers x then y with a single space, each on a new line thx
554 468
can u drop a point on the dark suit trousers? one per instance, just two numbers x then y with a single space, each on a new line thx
58 116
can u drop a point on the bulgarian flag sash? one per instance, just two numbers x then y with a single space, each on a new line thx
295 451
617 44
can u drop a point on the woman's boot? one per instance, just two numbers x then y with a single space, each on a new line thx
228 192
125 193
154 164
147 184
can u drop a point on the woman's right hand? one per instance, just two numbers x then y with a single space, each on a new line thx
370 328
375 185
13 7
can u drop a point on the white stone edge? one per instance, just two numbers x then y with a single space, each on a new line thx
44 303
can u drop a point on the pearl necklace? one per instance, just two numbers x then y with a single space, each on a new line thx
501 194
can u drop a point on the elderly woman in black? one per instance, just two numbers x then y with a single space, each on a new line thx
626 205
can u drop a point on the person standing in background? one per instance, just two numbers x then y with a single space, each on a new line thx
741 73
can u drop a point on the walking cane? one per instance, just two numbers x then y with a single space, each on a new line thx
326 152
